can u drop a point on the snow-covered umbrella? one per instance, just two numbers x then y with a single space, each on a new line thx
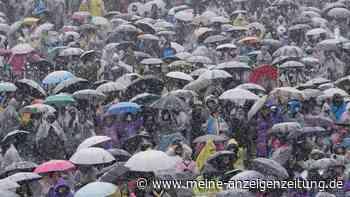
287 93
37 108
185 15
152 61
170 102
13 134
329 93
233 65
238 94
251 86
7 184
179 75
339 13
343 83
150 161
72 51
215 74
148 37
93 141
291 64
226 46
6 193
219 19
5 28
57 77
110 87
21 49
126 28
43 28
215 38
199 59
92 156
289 51
99 20
205 138
270 167
256 107
183 55
89 95
145 99
20 166
198 72
24 177
34 88
316 32
97 189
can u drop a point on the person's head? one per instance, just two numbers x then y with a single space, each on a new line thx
294 106
165 114
51 118
134 8
337 99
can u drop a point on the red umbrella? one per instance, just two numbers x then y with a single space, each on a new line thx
54 166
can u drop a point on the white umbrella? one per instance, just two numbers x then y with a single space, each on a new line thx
251 86
288 93
150 161
219 19
99 20
316 31
91 156
22 49
110 87
24 176
43 28
179 75
256 107
89 94
183 55
128 78
330 92
215 74
185 15
5 193
317 81
226 46
7 184
71 51
152 61
199 59
178 48
4 28
339 13
238 94
92 141
198 72
292 64
148 37
232 64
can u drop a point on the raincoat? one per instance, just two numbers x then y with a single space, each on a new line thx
262 128
208 150
54 191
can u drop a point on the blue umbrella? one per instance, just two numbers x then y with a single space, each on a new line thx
57 77
123 107
97 189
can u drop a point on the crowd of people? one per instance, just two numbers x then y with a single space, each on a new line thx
96 94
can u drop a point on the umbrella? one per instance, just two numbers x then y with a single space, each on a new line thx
91 156
183 55
317 81
310 61
323 164
37 108
71 52
226 46
256 107
251 86
215 38
282 155
311 93
339 13
198 85
20 166
152 61
199 59
291 64
128 78
93 141
33 87
123 107
99 20
215 74
343 83
184 94
310 131
70 85
329 93
119 154
90 95
299 27
271 42
21 49
97 189
145 99
54 166
215 158
248 175
7 184
5 28
110 87
148 83
59 100
251 39
270 167
233 65
289 51
288 93
285 127
179 75
57 77
165 33
170 102
24 176
5 193
238 94
205 138
150 161
321 121
13 134
198 72
185 15
148 37
127 28
316 31
330 44
179 64
115 173
219 19
43 28
7 87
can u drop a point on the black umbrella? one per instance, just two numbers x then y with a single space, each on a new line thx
236 192
150 84
22 166
8 139
120 155
32 87
115 174
132 143
214 159
71 85
270 167
170 102
205 138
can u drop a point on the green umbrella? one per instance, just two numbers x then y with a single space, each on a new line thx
59 100
7 87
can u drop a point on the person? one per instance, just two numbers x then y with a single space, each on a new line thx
167 51
58 188
10 119
337 107
294 112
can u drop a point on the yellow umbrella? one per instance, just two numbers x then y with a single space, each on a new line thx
30 20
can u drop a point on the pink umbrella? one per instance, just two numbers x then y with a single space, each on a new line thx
54 166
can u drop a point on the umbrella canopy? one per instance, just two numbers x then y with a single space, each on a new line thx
233 65
34 88
238 94
123 107
152 61
20 166
198 72
287 93
7 184
93 141
150 161
54 166
316 32
286 127
179 75
329 93
248 175
57 77
282 155
289 51
270 167
97 189
324 163
251 86
37 108
226 46
21 49
150 37
236 192
145 99
93 96
92 156
120 155
7 87
70 85
128 78
126 28
6 193
170 102
215 74
24 177
199 59
339 13
13 134
321 121
59 100
317 81
110 87
343 83
291 64
214 39
185 15
205 138
256 107
72 51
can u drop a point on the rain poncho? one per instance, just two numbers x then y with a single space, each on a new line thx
54 191
208 150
